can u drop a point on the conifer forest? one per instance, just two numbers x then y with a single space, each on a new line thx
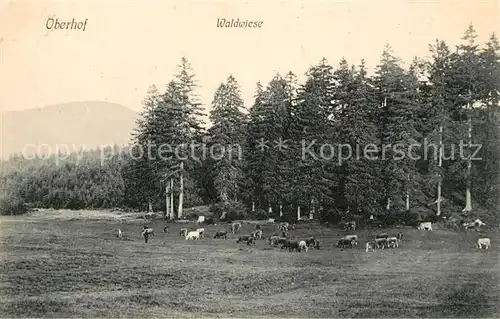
325 147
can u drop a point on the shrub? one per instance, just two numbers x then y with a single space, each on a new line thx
260 214
235 210
12 205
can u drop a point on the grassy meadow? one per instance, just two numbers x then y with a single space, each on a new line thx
77 267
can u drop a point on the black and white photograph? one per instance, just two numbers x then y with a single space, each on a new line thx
249 159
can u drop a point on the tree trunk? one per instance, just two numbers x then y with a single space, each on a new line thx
388 206
150 206
440 164
298 212
181 190
172 214
167 199
407 204
253 206
281 210
312 210
269 210
468 199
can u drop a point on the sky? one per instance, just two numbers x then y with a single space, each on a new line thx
129 45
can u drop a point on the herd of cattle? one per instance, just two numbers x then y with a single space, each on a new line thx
281 239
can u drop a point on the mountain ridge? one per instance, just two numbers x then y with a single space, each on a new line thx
85 124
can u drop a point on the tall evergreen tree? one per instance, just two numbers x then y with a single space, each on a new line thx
397 127
226 138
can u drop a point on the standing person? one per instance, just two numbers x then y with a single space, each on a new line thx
145 234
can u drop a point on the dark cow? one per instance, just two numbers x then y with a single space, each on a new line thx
209 221
312 243
345 243
273 240
250 241
291 245
281 241
244 238
221 234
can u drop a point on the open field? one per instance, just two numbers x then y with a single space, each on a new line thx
62 268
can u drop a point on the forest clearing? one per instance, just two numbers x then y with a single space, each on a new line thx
79 268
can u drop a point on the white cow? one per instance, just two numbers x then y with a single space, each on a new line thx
425 226
371 246
479 223
119 233
352 238
483 242
201 219
193 235
393 242
303 246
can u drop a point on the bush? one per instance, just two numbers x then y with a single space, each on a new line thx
12 205
260 214
235 210
407 218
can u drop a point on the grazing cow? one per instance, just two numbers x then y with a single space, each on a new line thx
353 238
312 243
425 226
257 234
235 227
475 224
148 231
479 223
371 246
344 243
250 241
382 235
221 234
470 225
351 225
392 242
273 240
283 226
291 245
316 244
399 236
284 233
245 238
302 246
201 231
183 232
483 242
119 235
381 243
193 235
209 221
201 219
282 241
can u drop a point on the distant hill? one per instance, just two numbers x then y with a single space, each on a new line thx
86 125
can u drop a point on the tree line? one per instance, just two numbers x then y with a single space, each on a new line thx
278 157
